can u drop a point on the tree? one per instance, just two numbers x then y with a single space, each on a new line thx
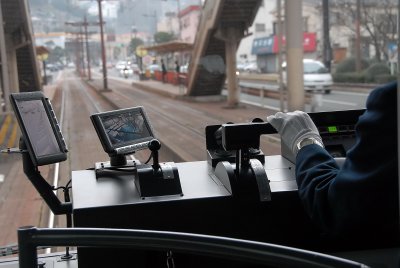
163 37
135 42
378 21
50 44
56 55
117 52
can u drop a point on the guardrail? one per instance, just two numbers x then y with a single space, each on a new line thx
274 78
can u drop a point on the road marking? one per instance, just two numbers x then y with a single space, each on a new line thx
340 102
350 93
2 177
13 137
261 105
4 128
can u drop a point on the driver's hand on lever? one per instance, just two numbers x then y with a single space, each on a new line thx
296 129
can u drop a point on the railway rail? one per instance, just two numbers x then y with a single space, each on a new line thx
180 126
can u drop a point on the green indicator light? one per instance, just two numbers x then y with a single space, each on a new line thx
332 129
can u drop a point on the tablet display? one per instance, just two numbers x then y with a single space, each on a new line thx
39 127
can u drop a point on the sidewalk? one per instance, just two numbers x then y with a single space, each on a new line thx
165 89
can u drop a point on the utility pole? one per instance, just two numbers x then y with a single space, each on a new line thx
280 61
179 19
294 54
78 51
178 11
155 21
358 41
85 25
103 50
85 32
327 51
81 38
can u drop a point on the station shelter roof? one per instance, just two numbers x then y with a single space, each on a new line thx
40 50
173 46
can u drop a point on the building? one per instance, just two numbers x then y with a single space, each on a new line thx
261 47
262 27
378 33
189 22
19 66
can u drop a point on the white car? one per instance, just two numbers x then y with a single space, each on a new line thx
317 77
251 67
121 65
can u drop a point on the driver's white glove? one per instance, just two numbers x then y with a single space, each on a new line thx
294 128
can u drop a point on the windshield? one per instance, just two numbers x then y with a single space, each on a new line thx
189 63
314 68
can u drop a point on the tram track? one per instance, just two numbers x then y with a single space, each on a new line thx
147 99
180 125
181 140
71 93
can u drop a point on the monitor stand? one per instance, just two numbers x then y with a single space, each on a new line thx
118 160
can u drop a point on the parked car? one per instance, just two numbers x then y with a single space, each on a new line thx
317 77
240 67
251 67
120 65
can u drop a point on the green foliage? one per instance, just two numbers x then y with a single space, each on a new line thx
349 65
384 78
135 42
378 73
351 77
56 55
374 70
50 44
117 51
163 37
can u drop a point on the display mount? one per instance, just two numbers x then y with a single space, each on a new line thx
41 143
125 131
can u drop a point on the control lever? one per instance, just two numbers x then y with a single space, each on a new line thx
154 145
261 177
246 177
159 179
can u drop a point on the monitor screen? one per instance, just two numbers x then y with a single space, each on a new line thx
39 127
121 129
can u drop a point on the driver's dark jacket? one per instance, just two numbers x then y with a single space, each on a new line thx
359 200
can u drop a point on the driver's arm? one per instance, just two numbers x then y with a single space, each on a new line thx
362 196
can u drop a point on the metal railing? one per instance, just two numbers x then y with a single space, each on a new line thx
29 238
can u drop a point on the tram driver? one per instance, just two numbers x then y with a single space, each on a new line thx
358 201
